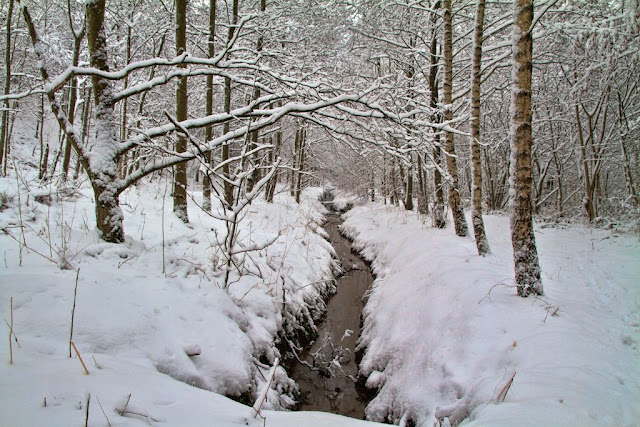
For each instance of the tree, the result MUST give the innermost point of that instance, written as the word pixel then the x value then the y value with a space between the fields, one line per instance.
pixel 78 36
pixel 525 253
pixel 478 224
pixel 459 221
pixel 438 208
pixel 4 134
pixel 180 169
pixel 224 160
pixel 208 136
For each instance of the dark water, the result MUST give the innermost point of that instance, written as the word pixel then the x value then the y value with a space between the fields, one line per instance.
pixel 331 386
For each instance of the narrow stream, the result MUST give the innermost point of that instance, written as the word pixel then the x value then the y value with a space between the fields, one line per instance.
pixel 330 386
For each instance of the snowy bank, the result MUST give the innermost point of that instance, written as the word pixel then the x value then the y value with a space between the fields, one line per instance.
pixel 152 306
pixel 444 331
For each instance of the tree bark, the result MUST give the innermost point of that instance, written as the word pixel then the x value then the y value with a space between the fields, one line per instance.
pixel 482 243
pixel 525 253
pixel 438 208
pixel 301 158
pixel 103 165
pixel 423 203
pixel 4 136
pixel 208 132
pixel 226 170
pixel 78 36
pixel 455 203
pixel 180 170
pixel 408 200
pixel 254 177
pixel 273 155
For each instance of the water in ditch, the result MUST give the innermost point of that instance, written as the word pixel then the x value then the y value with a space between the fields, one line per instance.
pixel 327 381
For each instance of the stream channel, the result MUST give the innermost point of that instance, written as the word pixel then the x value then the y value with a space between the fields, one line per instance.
pixel 331 386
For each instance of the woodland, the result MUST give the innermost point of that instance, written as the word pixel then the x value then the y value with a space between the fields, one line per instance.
pixel 236 112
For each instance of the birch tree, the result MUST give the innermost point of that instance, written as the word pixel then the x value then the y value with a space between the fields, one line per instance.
pixel 459 221
pixel 478 224
pixel 525 253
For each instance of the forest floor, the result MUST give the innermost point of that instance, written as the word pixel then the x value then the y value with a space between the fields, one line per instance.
pixel 444 332
pixel 161 338
pixel 446 337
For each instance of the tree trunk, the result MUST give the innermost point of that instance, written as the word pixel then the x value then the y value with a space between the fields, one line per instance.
pixel 208 132
pixel 77 45
pixel 124 123
pixel 455 203
pixel 254 177
pixel 438 208
pixel 109 216
pixel 226 169
pixel 4 135
pixel 180 170
pixel 525 253
pixel 423 203
pixel 274 154
pixel 482 243
pixel 408 200
pixel 299 173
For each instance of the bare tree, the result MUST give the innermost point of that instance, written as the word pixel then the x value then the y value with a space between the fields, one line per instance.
pixel 478 224
pixel 208 136
pixel 455 203
pixel 4 134
pixel 180 169
pixel 525 253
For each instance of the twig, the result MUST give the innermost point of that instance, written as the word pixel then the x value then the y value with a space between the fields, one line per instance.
pixel 15 337
pixel 80 358
pixel 500 283
pixel 103 413
pixel 164 196
pixel 28 247
pixel 86 419
pixel 125 406
pixel 73 311
pixel 551 309
pixel 10 333
pixel 96 363
pixel 505 390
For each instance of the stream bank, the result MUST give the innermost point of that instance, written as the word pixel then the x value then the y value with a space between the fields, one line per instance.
pixel 328 372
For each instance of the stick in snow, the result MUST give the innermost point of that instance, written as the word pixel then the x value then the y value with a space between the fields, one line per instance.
pixel 265 389
pixel 73 311
pixel 504 389
pixel 80 358
pixel 11 332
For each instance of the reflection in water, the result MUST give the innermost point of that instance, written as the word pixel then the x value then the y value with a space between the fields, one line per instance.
pixel 331 384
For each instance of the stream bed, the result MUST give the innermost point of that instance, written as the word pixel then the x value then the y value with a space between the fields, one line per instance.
pixel 328 381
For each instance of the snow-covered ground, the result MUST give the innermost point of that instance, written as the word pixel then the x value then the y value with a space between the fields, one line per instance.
pixel 444 331
pixel 151 318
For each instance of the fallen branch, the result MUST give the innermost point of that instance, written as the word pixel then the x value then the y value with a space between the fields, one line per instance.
pixel 263 394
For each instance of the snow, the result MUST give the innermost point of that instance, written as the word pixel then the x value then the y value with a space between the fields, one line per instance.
pixel 152 322
pixel 445 335
pixel 444 331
